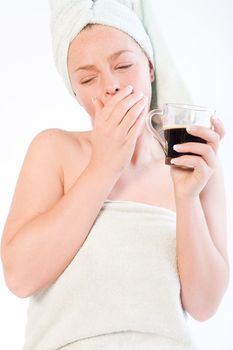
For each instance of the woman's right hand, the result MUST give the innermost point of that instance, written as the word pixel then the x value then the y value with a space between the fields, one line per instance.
pixel 117 125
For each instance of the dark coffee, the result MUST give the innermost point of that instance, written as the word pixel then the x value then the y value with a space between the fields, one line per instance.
pixel 176 134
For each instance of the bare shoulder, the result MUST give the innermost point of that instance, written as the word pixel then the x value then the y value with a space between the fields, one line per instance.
pixel 52 159
pixel 53 136
pixel 57 142
pixel 75 155
pixel 68 152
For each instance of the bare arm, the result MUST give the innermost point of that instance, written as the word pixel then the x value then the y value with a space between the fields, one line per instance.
pixel 213 202
pixel 201 255
pixel 201 225
pixel 45 229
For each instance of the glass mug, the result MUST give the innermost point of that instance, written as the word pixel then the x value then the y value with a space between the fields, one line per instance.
pixel 168 125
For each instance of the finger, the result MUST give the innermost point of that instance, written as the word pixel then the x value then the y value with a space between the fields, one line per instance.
pixel 123 107
pixel 137 125
pixel 218 126
pixel 133 114
pixel 120 95
pixel 207 134
pixel 131 106
pixel 202 149
pixel 191 162
pixel 98 105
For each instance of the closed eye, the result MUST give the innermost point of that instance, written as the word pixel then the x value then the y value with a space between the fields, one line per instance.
pixel 87 81
pixel 122 67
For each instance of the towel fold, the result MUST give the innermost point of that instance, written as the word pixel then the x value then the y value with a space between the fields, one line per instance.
pixel 123 278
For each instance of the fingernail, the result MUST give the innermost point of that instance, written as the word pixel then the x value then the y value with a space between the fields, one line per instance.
pixel 191 128
pixel 176 147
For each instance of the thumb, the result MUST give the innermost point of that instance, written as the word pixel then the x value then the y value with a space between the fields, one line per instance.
pixel 97 104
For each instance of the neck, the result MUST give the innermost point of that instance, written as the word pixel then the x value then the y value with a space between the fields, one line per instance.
pixel 147 151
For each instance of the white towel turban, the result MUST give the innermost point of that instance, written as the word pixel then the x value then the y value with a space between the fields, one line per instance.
pixel 134 17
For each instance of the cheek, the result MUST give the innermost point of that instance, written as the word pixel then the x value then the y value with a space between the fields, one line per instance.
pixel 143 82
pixel 85 100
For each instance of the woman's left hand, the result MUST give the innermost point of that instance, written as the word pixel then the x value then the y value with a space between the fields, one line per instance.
pixel 189 182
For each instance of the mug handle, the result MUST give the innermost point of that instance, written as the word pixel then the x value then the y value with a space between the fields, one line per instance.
pixel 154 123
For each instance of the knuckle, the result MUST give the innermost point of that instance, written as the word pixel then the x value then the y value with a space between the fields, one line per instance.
pixel 199 161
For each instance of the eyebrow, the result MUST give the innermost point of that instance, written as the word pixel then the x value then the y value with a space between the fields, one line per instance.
pixel 112 57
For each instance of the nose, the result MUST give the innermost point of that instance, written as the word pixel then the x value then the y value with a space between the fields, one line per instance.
pixel 110 85
pixel 111 91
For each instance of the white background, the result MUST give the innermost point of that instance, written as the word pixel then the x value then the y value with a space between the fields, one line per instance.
pixel 33 98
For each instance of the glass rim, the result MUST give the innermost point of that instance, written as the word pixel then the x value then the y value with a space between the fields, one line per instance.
pixel 190 107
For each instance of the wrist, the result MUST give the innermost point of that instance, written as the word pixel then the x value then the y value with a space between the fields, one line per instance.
pixel 103 171
pixel 184 201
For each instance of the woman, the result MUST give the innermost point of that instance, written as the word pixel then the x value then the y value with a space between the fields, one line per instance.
pixel 98 221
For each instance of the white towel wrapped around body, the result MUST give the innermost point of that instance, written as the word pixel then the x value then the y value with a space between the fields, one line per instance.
pixel 122 285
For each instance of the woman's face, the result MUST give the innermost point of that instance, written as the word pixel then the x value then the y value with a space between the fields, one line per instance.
pixel 102 59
